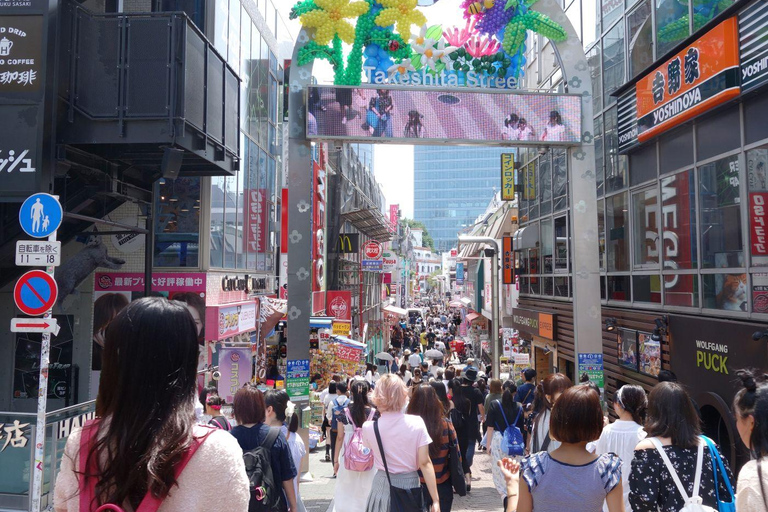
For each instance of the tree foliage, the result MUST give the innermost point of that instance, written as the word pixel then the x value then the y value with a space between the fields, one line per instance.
pixel 426 238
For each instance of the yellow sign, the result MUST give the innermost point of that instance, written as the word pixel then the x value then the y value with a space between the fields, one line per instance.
pixel 341 328
pixel 508 177
pixel 529 193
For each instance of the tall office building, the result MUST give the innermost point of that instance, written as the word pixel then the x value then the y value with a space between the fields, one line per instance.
pixel 452 186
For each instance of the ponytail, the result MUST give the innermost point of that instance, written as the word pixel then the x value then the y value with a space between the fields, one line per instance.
pixel 752 400
pixel 633 400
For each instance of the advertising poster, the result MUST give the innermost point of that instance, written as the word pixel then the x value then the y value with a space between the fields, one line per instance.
pixel 649 351
pixel 627 345
pixel 297 379
pixel 235 366
pixel 26 368
pixel 760 292
pixel 339 305
pixel 592 365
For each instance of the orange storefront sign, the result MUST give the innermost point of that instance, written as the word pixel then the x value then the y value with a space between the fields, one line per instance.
pixel 699 77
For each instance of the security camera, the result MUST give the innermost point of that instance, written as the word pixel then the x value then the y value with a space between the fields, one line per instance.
pixel 216 375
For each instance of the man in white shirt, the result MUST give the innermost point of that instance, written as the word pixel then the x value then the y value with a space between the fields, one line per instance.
pixel 414 360
pixel 340 400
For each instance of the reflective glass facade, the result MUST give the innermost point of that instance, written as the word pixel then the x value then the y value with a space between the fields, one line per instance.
pixel 452 186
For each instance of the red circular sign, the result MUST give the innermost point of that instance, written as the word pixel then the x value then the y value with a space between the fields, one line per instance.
pixel 35 293
pixel 373 250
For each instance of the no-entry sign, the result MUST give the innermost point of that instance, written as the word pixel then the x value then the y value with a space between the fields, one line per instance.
pixel 35 293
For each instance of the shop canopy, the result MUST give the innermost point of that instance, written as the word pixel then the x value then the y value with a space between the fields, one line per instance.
pixel 456 304
pixel 472 317
pixel 525 238
pixel 395 310
pixel 321 322
pixel 466 301
pixel 348 341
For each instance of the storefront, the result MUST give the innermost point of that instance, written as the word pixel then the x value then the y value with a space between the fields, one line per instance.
pixel 705 355
pixel 537 334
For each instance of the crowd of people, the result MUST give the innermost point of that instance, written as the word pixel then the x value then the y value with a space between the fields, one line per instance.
pixel 395 445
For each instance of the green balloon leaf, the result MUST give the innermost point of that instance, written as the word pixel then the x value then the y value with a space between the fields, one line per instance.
pixel 435 32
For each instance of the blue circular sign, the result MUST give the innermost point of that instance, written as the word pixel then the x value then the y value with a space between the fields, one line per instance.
pixel 40 215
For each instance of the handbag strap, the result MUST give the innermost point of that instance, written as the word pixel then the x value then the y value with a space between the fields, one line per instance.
pixel 381 451
pixel 673 473
pixel 502 413
pixel 717 462
pixel 150 503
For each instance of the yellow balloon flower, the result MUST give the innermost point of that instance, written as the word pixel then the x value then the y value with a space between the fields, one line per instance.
pixel 403 13
pixel 329 20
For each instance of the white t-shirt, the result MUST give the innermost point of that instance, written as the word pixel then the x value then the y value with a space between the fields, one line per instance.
pixel 510 133
pixel 329 408
pixel 556 132
pixel 621 437
pixel 414 360
pixel 401 436
pixel 525 133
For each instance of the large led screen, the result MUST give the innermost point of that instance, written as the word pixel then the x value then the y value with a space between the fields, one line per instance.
pixel 413 115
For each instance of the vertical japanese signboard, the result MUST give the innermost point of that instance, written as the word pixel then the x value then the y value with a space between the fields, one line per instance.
pixel 394 217
pixel 235 366
pixel 508 177
pixel 508 274
pixel 297 379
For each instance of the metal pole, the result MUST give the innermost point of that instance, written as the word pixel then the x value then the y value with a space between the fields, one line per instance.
pixel 495 342
pixel 149 245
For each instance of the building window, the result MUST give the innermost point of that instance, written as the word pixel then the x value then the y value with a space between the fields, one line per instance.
pixel 594 61
pixel 599 157
pixel 611 11
pixel 616 228
pixel 725 291
pixel 601 232
pixel 615 164
pixel 672 24
pixel 719 208
pixel 646 288
pixel 757 178
pixel 681 290
pixel 177 223
pixel 559 180
pixel 546 246
pixel 645 210
pixel 562 257
pixel 619 288
pixel 218 200
pixel 545 184
pixel 678 220
pixel 613 62
pixel 640 38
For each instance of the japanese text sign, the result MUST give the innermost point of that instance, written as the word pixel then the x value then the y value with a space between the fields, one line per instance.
pixel 236 370
pixel 21 50
pixel 508 177
pixel 163 281
pixel 508 273
pixel 227 321
pixel 757 223
pixel 697 78
pixel 348 353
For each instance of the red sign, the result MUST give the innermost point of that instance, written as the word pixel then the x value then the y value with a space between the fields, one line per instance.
pixel 679 230
pixel 508 263
pixel 757 216
pixel 339 305
pixel 284 221
pixel 318 228
pixel 394 217
pixel 35 293
pixel 373 250
pixel 454 253
pixel 318 303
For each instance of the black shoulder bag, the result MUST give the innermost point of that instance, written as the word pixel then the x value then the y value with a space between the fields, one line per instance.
pixel 400 500
pixel 458 482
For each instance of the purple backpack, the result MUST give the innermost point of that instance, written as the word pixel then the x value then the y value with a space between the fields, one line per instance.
pixel 357 456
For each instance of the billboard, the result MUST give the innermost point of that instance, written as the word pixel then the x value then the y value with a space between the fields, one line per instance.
pixel 414 115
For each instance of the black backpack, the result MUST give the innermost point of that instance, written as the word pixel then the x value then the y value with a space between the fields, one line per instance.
pixel 266 495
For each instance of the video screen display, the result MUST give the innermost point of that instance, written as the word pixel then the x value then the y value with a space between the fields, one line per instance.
pixel 410 115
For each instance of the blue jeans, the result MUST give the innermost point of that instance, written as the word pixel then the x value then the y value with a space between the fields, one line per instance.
pixel 470 455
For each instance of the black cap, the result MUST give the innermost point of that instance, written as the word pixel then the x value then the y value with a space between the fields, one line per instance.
pixel 470 375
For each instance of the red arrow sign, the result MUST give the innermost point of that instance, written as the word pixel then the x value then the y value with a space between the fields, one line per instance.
pixel 35 325
pixel 43 325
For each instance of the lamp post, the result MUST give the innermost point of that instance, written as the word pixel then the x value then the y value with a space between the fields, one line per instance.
pixel 495 339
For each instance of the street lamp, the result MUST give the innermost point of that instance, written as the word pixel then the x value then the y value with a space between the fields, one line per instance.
pixel 495 337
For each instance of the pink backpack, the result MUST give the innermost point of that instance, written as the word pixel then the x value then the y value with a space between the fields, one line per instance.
pixel 357 456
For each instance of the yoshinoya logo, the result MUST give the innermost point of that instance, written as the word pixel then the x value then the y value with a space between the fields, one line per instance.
pixel 105 282
pixel 628 136
pixel 677 106
pixel 753 69
pixel 234 357
pixel 339 307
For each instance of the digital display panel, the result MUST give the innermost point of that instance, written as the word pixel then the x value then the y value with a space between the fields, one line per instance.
pixel 409 115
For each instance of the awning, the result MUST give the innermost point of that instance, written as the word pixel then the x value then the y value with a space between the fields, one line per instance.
pixel 395 310
pixel 371 222
pixel 466 301
pixel 348 341
pixel 525 238
pixel 456 304
pixel 472 317
pixel 321 322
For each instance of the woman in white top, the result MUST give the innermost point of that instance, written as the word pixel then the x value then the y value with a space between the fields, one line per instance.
pixel 555 129
pixel 621 436
pixel 510 132
pixel 751 408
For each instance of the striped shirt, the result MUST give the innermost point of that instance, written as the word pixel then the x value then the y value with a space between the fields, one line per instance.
pixel 440 463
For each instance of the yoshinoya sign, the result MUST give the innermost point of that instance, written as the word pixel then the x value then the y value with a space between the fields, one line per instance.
pixel 534 322
pixel 753 45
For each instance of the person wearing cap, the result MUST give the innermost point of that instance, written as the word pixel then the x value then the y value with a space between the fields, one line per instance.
pixel 476 411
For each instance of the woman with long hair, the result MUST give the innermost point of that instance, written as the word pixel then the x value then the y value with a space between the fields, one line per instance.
pixel 460 419
pixel 555 129
pixel 144 444
pixel 547 394
pixel 105 309
pixel 500 415
pixel 442 395
pixel 426 404
pixel 621 436
pixel 352 487
pixel 570 477
pixel 252 430
pixel 674 429
pixel 405 447
pixel 751 408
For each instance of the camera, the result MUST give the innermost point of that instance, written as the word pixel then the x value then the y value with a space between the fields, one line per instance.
pixel 216 375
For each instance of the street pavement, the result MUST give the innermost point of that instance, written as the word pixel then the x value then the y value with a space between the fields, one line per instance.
pixel 318 494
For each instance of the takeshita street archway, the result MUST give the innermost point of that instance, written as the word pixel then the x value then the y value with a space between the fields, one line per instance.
pixel 508 20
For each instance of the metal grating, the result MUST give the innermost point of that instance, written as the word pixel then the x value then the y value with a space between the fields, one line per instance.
pixel 194 85
pixel 231 105
pixel 96 89
pixel 215 118
pixel 147 68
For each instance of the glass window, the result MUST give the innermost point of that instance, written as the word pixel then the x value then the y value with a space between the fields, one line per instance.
pixel 561 286
pixel 678 220
pixel 574 15
pixel 642 165
pixel 177 222
pixel 590 23
pixel 254 109
pixel 646 289
pixel 613 62
pixel 681 290
pixel 230 221
pixel 245 68
pixel 601 232
pixel 545 184
pixel 272 104
pixel 757 161
pixel 593 59
pixel 611 10
pixel 721 236
pixel 615 164
pixel 217 220
pixel 718 134
pixel 546 246
pixel 233 56
pixel 547 286
pixel 263 208
pixel 672 24
pixel 725 291
pixel 755 127
pixel 619 288
pixel 645 211
pixel 599 157
pixel 640 38
pixel 676 149
pixel 252 207
pixel 562 258
pixel 559 179
pixel 616 226
pixel 220 27
pixel 240 235
pixel 264 78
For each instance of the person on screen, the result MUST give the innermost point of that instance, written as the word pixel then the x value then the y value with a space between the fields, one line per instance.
pixel 524 132
pixel 555 129
pixel 383 109
pixel 344 98
pixel 414 129
pixel 510 130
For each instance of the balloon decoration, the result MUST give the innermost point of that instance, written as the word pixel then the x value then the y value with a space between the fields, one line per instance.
pixel 491 45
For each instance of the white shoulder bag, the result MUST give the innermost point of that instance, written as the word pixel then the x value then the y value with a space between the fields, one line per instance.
pixel 692 503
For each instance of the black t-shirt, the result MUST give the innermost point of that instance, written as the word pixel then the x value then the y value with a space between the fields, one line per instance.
pixel 431 336
pixel 249 438
pixel 475 397
pixel 494 418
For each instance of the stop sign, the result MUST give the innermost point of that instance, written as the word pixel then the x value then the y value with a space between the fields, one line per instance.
pixel 373 250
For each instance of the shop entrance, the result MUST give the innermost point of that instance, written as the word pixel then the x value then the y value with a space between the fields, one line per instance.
pixel 304 127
